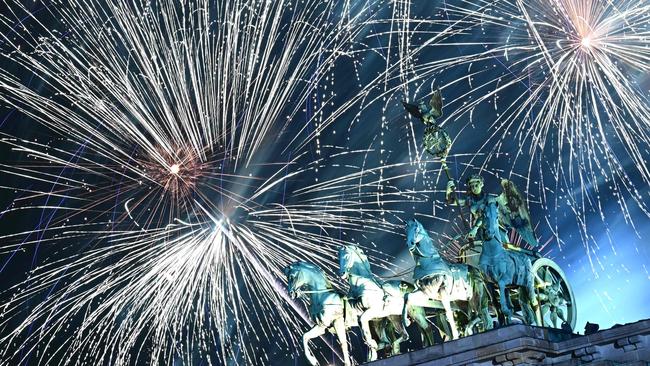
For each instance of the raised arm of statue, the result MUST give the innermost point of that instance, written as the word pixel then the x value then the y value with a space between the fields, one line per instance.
pixel 452 196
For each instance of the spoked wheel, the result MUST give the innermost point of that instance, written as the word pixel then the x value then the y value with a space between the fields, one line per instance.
pixel 554 294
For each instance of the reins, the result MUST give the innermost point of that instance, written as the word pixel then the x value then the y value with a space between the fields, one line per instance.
pixel 318 291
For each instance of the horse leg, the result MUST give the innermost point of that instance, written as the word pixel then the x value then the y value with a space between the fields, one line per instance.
pixel 394 309
pixel 493 300
pixel 510 304
pixel 559 313
pixel 440 322
pixel 527 303
pixel 426 329
pixel 372 354
pixel 481 301
pixel 473 307
pixel 364 319
pixel 553 318
pixel 314 332
pixel 473 297
pixel 396 321
pixel 450 317
pixel 469 329
pixel 415 298
pixel 379 327
pixel 486 318
pixel 503 301
pixel 339 326
pixel 405 318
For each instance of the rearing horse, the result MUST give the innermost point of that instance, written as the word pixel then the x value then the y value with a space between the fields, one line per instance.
pixel 328 308
pixel 375 299
pixel 437 279
pixel 506 267
pixel 326 305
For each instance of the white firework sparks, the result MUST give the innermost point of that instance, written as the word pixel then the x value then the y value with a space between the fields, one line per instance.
pixel 557 88
pixel 171 118
pixel 162 191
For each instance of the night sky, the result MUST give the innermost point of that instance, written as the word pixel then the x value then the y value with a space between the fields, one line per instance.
pixel 602 248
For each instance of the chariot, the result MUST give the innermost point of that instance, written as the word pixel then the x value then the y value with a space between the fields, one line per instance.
pixel 552 289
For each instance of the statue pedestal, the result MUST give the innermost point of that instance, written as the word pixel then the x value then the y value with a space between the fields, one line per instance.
pixel 525 345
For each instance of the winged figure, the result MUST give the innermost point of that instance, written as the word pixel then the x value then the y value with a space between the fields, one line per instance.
pixel 514 214
pixel 436 140
pixel 426 113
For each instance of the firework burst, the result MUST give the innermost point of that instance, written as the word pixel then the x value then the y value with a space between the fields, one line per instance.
pixel 189 162
pixel 557 89
pixel 161 189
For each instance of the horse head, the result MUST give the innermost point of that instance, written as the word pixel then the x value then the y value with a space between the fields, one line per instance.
pixel 418 240
pixel 491 215
pixel 351 258
pixel 294 279
pixel 414 234
pixel 303 275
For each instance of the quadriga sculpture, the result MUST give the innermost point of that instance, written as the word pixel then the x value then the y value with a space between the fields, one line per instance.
pixel 375 299
pixel 447 282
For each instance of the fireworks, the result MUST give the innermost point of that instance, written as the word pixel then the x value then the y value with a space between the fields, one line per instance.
pixel 556 87
pixel 170 168
pixel 185 160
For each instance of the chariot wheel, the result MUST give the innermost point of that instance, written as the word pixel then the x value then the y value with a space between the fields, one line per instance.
pixel 554 294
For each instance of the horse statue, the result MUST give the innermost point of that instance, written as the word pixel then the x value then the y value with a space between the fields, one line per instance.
pixel 437 279
pixel 328 309
pixel 374 299
pixel 506 267
pixel 326 306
